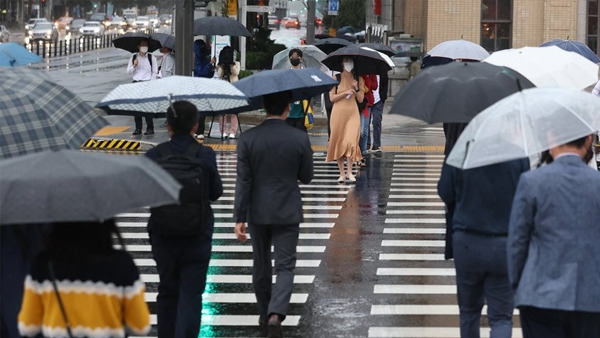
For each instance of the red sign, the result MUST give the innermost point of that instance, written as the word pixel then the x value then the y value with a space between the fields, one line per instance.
pixel 377 7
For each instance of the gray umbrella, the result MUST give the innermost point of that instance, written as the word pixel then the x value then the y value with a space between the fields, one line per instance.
pixel 37 114
pixel 166 40
pixel 218 25
pixel 70 185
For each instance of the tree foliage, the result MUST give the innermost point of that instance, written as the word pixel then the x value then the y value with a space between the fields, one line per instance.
pixel 350 13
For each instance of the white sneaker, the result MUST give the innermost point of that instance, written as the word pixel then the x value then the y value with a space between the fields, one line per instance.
pixel 232 135
pixel 200 136
pixel 224 136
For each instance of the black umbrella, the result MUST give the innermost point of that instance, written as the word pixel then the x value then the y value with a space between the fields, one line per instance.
pixel 130 42
pixel 366 60
pixel 385 49
pixel 304 84
pixel 457 91
pixel 322 36
pixel 218 25
pixel 166 40
pixel 330 45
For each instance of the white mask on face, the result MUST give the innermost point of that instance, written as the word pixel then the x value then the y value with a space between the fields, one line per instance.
pixel 348 66
pixel 144 49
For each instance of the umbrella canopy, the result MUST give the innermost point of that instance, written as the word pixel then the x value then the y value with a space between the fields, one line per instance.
pixel 456 92
pixel 330 45
pixel 524 124
pixel 311 57
pixel 459 49
pixel 130 41
pixel 366 60
pixel 218 25
pixel 304 84
pixel 385 49
pixel 12 54
pixel 151 98
pixel 548 66
pixel 37 114
pixel 165 40
pixel 71 185
pixel 573 46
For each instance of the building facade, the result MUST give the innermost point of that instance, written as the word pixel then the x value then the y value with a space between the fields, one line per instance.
pixel 494 24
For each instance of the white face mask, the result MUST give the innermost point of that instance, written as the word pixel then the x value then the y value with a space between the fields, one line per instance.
pixel 348 66
pixel 144 49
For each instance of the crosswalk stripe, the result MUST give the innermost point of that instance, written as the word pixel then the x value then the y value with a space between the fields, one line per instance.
pixel 414 289
pixel 397 178
pixel 412 190
pixel 225 225
pixel 415 272
pixel 422 184
pixel 407 196
pixel 236 320
pixel 422 173
pixel 411 257
pixel 413 309
pixel 416 243
pixel 415 204
pixel 414 212
pixel 415 221
pixel 427 332
pixel 413 231
pixel 296 298
pixel 227 248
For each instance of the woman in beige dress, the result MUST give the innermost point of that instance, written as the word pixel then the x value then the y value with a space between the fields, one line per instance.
pixel 345 121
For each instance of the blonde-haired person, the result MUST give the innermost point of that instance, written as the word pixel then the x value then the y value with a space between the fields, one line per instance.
pixel 345 120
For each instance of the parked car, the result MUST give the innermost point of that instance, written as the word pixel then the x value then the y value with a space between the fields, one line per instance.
pixel 75 25
pixel 142 24
pixel 165 19
pixel 4 34
pixel 44 31
pixel 273 22
pixel 63 22
pixel 92 28
pixel 154 22
pixel 292 22
pixel 29 25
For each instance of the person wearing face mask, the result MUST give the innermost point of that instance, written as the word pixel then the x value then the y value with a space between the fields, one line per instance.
pixel 143 66
pixel 167 64
pixel 345 120
pixel 296 116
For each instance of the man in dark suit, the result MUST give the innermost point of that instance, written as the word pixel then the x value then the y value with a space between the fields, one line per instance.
pixel 182 261
pixel 553 248
pixel 272 157
pixel 483 199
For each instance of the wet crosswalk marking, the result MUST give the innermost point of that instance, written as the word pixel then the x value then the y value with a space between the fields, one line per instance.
pixel 230 276
pixel 415 283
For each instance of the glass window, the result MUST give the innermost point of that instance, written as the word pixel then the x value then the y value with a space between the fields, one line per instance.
pixel 488 10
pixel 592 25
pixel 504 10
pixel 593 7
pixel 592 42
pixel 496 24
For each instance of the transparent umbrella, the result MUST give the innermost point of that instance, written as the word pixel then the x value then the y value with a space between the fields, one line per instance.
pixel 526 123
pixel 311 58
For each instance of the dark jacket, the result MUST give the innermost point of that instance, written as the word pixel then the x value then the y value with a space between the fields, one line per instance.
pixel 202 65
pixel 383 87
pixel 272 157
pixel 179 144
pixel 483 196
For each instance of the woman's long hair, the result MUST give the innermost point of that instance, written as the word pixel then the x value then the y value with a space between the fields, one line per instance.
pixel 73 241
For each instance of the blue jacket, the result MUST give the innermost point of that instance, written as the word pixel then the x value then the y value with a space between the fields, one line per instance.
pixel 553 241
pixel 202 65
pixel 483 196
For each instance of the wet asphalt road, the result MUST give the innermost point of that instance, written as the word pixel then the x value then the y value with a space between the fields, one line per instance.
pixel 370 255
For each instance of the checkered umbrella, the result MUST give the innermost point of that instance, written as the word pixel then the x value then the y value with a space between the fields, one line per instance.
pixel 37 114
pixel 151 98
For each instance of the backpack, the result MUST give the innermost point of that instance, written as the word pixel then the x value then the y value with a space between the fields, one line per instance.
pixel 189 217
pixel 149 58
pixel 361 105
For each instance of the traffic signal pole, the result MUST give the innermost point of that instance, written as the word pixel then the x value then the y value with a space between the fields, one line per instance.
pixel 310 21
pixel 184 37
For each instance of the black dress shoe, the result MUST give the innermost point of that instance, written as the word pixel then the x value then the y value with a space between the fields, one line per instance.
pixel 274 328
pixel 137 132
pixel 149 131
pixel 262 326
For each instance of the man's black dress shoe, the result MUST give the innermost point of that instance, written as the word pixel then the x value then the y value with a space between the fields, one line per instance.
pixel 274 327
pixel 149 131
pixel 137 132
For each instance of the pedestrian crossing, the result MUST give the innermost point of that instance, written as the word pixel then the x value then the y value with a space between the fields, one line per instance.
pixel 229 308
pixel 415 288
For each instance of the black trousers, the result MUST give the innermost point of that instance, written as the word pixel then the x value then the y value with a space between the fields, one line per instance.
pixel 547 323
pixel 138 122
pixel 201 125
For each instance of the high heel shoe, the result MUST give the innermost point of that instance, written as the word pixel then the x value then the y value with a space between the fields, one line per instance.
pixel 341 179
pixel 351 178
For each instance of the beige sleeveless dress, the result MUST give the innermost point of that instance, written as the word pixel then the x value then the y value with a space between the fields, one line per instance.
pixel 345 123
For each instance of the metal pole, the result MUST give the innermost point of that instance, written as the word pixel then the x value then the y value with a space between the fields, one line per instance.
pixel 184 37
pixel 310 22
pixel 243 38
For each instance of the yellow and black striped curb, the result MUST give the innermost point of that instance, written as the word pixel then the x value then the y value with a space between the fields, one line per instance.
pixel 116 144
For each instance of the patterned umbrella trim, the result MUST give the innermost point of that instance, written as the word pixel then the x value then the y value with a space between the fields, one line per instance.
pixel 174 98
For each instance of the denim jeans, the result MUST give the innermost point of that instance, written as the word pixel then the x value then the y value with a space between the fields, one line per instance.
pixel 364 133
pixel 482 276
pixel 376 114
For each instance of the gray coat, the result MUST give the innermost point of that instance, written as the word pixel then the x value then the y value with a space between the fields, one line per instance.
pixel 554 237
pixel 272 158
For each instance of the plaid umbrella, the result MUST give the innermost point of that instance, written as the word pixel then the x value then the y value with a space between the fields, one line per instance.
pixel 37 114
pixel 152 98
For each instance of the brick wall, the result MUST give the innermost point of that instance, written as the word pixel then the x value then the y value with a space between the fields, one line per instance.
pixel 452 20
